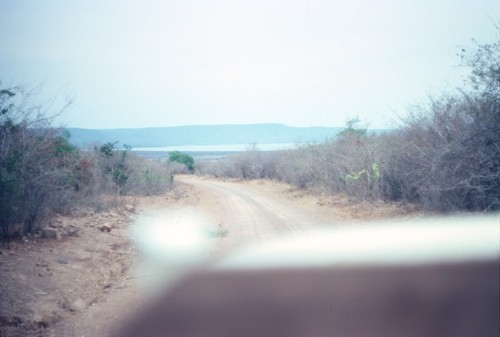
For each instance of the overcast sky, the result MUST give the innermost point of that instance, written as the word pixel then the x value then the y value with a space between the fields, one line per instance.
pixel 301 63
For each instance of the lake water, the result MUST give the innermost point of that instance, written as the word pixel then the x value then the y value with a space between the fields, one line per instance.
pixel 218 148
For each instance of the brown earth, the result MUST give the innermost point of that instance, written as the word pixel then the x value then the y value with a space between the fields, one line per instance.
pixel 80 279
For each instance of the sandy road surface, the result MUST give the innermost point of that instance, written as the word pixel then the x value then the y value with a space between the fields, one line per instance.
pixel 87 283
pixel 251 213
pixel 287 286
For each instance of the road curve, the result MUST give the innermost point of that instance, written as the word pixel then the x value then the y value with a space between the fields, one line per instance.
pixel 249 214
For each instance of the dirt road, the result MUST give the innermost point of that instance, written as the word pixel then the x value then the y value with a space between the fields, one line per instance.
pixel 235 214
pixel 346 280
pixel 251 213
pixel 88 281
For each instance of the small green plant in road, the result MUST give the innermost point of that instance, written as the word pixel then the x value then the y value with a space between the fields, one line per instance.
pixel 220 232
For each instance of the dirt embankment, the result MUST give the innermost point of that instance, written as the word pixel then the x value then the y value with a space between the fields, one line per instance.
pixel 82 281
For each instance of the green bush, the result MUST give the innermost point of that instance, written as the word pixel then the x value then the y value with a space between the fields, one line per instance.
pixel 124 173
pixel 182 158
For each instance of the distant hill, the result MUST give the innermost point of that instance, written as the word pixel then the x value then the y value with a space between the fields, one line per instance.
pixel 203 135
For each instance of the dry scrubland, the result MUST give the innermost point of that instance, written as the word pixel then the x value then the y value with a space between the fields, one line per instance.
pixel 444 156
pixel 83 279
pixel 42 174
pixel 61 207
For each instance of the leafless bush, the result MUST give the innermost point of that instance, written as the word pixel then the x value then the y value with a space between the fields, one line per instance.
pixel 35 164
pixel 149 177
pixel 209 167
pixel 121 172
pixel 445 155
pixel 449 155
pixel 448 152
pixel 41 173
pixel 295 167
pixel 178 168
pixel 351 164
pixel 245 165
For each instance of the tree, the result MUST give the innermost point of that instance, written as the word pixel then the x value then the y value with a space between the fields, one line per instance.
pixel 182 158
pixel 353 129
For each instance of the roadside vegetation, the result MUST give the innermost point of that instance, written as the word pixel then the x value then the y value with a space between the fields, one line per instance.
pixel 42 173
pixel 445 155
pixel 184 162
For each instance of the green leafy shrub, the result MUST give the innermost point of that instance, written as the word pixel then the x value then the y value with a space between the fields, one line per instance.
pixel 182 158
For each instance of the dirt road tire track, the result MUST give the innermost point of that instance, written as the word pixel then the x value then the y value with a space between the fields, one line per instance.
pixel 251 215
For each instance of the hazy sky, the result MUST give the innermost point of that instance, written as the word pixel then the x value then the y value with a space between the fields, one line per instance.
pixel 301 63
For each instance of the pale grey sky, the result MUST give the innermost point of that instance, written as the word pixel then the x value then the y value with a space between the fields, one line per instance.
pixel 297 62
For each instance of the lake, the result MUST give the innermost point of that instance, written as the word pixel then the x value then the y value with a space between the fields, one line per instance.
pixel 201 152
pixel 218 148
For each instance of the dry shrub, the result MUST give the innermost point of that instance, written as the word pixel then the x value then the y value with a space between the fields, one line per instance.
pixel 448 152
pixel 41 173
pixel 448 155
pixel 149 176
pixel 445 155
pixel 36 163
